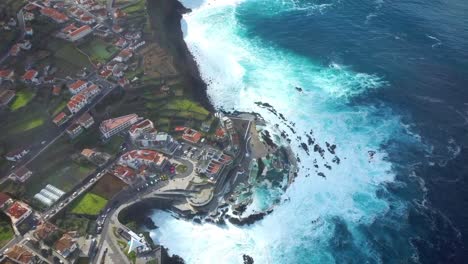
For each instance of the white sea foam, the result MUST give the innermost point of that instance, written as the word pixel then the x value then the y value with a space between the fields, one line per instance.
pixel 242 70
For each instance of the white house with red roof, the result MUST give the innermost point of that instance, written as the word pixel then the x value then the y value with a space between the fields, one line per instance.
pixel 77 86
pixel 124 173
pixel 137 158
pixel 7 75
pixel 86 19
pixel 105 73
pixel 60 118
pixel 18 211
pixel 121 43
pixel 15 50
pixel 78 101
pixel 21 174
pixel 124 55
pixel 116 125
pixel 30 76
pixel 192 135
pixel 79 33
pixel 54 14
pixel 141 127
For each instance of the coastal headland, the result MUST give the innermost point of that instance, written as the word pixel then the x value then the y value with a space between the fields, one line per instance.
pixel 258 158
pixel 165 17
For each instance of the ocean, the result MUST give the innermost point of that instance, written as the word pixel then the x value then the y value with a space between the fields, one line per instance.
pixel 384 81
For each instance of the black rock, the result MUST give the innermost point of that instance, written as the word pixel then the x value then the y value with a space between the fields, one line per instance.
pixel 247 259
pixel 321 174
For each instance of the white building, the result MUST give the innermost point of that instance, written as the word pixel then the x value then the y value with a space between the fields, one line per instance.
pixel 113 126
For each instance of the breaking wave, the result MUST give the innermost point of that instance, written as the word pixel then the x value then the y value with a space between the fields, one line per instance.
pixel 326 219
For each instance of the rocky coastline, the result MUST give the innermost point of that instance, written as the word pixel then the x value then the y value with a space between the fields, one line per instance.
pixel 165 17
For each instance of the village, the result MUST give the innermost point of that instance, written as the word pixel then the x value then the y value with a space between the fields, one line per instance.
pixel 115 124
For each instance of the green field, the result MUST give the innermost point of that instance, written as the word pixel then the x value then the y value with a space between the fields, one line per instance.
pixel 33 123
pixel 89 204
pixel 56 166
pixel 62 173
pixel 185 105
pixel 98 50
pixel 59 108
pixel 113 145
pixel 137 7
pixel 22 98
pixel 66 55
pixel 6 231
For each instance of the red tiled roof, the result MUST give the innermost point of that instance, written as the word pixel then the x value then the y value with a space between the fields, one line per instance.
pixel 69 28
pixel 124 172
pixel 56 90
pixel 142 124
pixel 220 133
pixel 192 135
pixel 30 7
pixel 86 18
pixel 59 118
pixel 179 128
pixel 105 73
pixel 79 30
pixel 17 210
pixel 77 84
pixel 64 243
pixel 87 152
pixel 44 230
pixel 19 253
pixel 125 53
pixel 29 75
pixel 53 13
pixel 5 73
pixel 116 122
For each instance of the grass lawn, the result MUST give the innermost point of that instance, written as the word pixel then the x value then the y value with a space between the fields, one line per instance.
pixel 22 98
pixel 89 204
pixel 59 108
pixel 55 166
pixel 66 53
pixel 6 231
pixel 186 105
pixel 113 145
pixel 28 124
pixel 138 6
pixel 63 176
pixel 99 50
pixel 181 168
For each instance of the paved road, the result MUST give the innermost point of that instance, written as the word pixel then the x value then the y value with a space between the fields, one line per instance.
pixel 62 130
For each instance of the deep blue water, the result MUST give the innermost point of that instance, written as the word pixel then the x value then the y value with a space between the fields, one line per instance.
pixel 421 49
pixel 387 76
